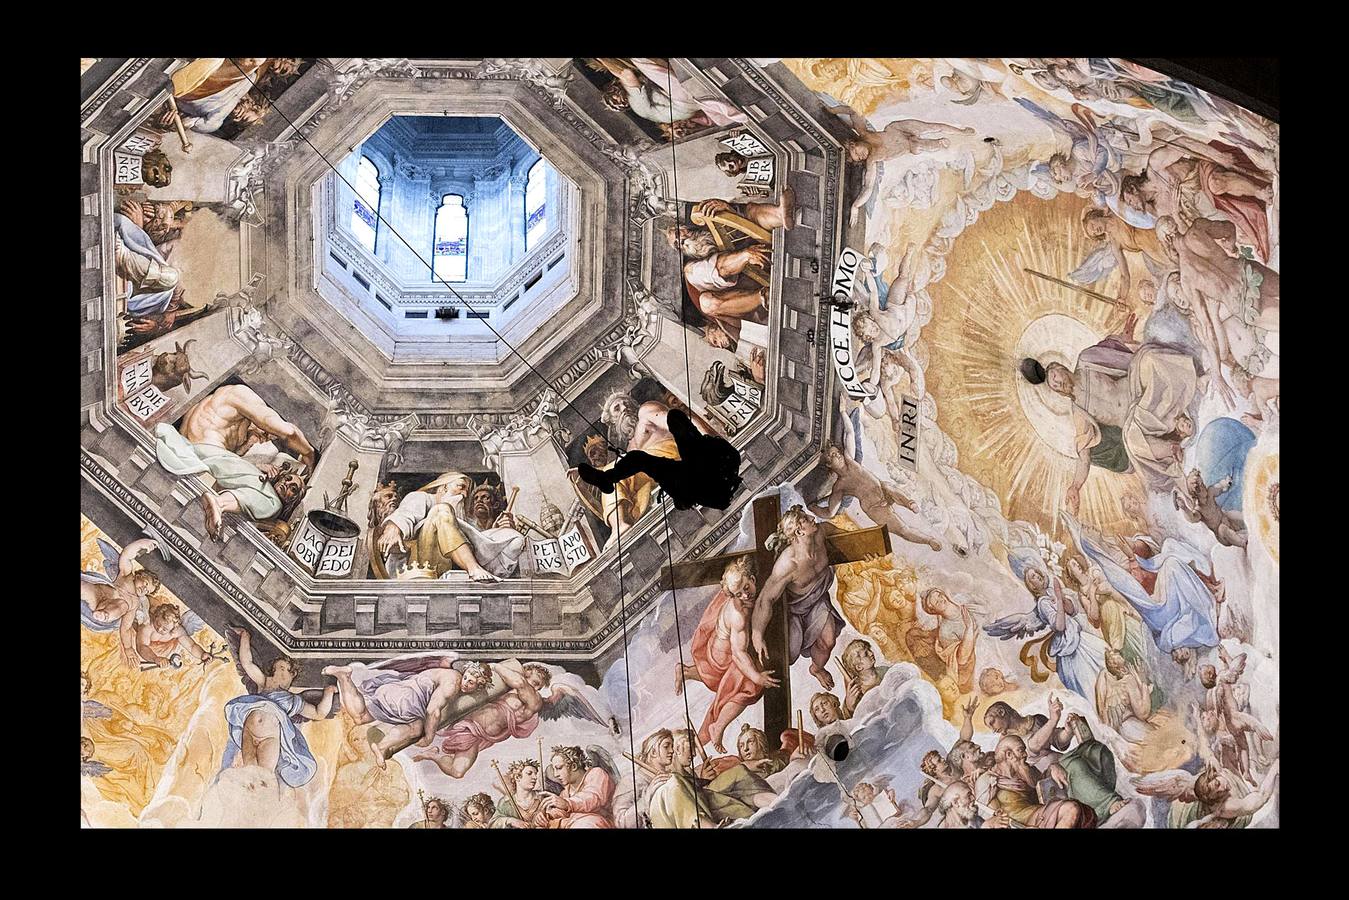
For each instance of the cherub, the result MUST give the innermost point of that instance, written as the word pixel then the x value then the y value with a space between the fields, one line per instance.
pixel 166 637
pixel 119 597
pixel 1199 503
pixel 993 681
pixel 876 496
pixel 1229 700
pixel 263 723
pixel 873 805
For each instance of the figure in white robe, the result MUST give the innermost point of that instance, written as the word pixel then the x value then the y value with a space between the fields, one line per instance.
pixel 233 474
pixel 662 99
pixel 496 549
pixel 207 89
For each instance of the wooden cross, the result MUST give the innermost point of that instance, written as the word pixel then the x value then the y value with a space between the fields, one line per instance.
pixel 843 547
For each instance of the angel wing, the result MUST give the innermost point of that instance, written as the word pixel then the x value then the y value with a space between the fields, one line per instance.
pixel 1172 784
pixel 112 559
pixel 1018 625
pixel 92 709
pixel 414 664
pixel 94 768
pixel 1156 268
pixel 1098 264
pixel 602 759
pixel 565 701
pixel 192 623
pixel 1058 123
pixel 881 782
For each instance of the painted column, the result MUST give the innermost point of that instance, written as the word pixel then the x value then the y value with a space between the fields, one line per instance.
pixel 515 217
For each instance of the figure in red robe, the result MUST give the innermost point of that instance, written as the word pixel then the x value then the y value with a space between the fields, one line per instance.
pixel 721 657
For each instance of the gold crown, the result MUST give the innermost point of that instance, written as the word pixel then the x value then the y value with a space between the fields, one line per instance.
pixel 418 572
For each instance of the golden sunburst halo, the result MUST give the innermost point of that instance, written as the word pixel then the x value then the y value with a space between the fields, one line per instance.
pixel 988 313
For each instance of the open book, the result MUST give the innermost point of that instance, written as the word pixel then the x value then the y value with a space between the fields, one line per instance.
pixel 139 395
pixel 561 554
pixel 878 810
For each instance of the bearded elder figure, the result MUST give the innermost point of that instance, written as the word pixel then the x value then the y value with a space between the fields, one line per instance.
pixel 449 524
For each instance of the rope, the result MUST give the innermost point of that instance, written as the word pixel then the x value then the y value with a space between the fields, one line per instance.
pixel 688 381
pixel 627 668
pixel 431 268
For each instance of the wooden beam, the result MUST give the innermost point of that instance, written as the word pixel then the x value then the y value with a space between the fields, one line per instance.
pixel 777 702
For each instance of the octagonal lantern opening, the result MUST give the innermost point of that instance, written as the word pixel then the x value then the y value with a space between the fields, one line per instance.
pixel 440 225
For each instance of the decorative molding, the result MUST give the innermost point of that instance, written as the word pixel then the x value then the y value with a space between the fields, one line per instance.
pixel 92 107
pixel 552 85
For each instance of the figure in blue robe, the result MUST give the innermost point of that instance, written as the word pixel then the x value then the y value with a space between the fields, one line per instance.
pixel 295 763
pixel 1220 451
pixel 1179 609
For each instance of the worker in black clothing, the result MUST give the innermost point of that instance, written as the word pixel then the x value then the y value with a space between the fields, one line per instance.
pixel 707 472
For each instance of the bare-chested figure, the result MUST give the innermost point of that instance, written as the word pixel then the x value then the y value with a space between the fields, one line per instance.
pixel 901 137
pixel 411 703
pixel 801 578
pixel 262 723
pixel 163 636
pixel 1224 697
pixel 643 430
pixel 1199 504
pixel 121 598
pixel 875 495
pixel 216 434
pixel 720 651
pixel 1232 303
pixel 513 714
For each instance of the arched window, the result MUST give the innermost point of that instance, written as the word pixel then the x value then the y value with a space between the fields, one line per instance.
pixel 365 212
pixel 536 204
pixel 451 251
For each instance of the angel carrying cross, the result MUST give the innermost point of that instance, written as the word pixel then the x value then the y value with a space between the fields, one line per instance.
pixel 454 708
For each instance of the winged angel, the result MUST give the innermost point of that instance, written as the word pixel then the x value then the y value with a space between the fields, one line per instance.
pixel 1077 655
pixel 455 708
pixel 1215 798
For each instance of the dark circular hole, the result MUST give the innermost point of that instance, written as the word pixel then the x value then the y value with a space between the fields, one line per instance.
pixel 837 748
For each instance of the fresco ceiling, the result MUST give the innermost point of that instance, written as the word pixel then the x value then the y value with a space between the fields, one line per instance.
pixel 997 341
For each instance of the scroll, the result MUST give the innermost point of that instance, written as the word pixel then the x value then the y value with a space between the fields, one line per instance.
pixel 739 407
pixel 840 323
